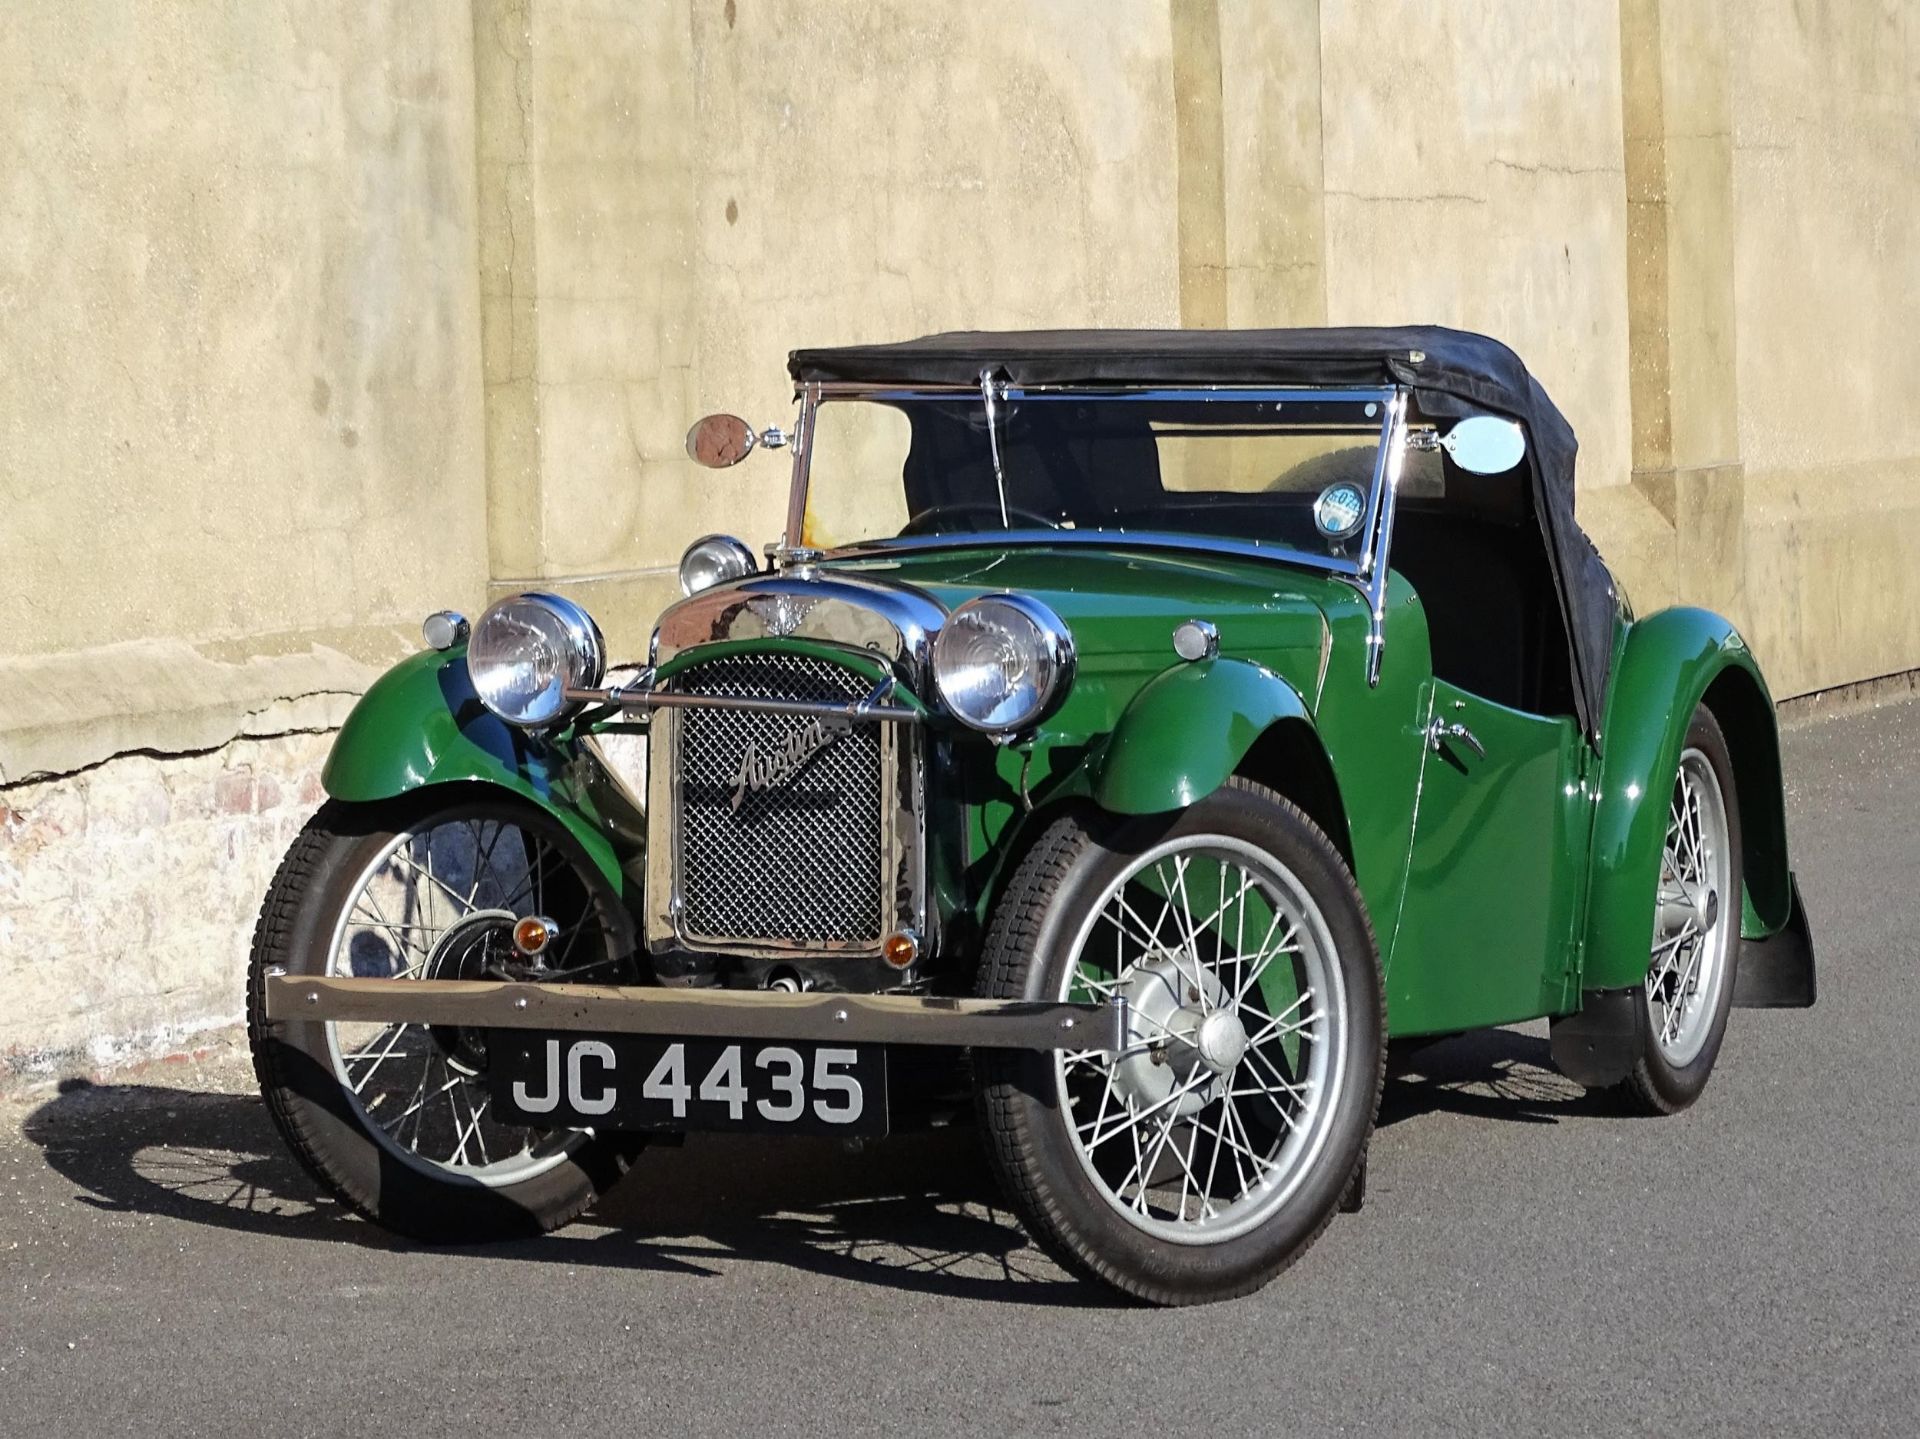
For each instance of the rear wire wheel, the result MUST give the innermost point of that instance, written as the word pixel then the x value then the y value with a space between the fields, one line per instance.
pixel 396 1119
pixel 1696 930
pixel 1202 1158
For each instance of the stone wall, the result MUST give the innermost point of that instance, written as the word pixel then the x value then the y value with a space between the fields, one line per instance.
pixel 319 317
pixel 1823 111
pixel 241 452
pixel 126 899
pixel 1683 213
pixel 240 427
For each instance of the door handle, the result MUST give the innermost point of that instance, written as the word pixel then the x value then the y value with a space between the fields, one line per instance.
pixel 1440 731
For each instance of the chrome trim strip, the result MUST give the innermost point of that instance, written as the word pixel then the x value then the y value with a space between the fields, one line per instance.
pixel 866 711
pixel 661 900
pixel 1326 654
pixel 861 389
pixel 717 1013
pixel 1107 538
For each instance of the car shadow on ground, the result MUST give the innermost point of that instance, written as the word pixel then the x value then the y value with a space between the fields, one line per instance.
pixel 1503 1074
pixel 918 1212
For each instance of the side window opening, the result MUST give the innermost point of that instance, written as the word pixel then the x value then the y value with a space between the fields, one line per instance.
pixel 1472 548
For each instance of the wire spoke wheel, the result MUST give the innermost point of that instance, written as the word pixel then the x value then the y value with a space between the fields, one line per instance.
pixel 1697 914
pixel 1680 1019
pixel 397 1120
pixel 1202 1126
pixel 440 902
pixel 1207 1152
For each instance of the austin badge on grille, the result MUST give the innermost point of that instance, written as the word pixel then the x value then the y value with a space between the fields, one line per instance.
pixel 766 770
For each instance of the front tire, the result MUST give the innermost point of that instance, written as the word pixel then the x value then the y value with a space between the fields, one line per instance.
pixel 394 1119
pixel 1201 1160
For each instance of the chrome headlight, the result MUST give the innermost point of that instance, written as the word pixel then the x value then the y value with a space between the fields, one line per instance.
pixel 527 650
pixel 713 560
pixel 1002 662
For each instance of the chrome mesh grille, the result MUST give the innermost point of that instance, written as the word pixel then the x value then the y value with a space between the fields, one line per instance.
pixel 801 859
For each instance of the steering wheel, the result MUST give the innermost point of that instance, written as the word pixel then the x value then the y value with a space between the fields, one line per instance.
pixel 927 521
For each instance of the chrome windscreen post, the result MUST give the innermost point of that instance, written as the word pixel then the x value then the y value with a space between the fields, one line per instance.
pixel 801 442
pixel 1386 486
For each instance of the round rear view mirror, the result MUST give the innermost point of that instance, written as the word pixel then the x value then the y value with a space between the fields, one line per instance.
pixel 720 440
pixel 1485 444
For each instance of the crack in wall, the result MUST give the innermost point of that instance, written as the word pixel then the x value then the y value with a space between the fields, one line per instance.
pixel 1546 169
pixel 157 752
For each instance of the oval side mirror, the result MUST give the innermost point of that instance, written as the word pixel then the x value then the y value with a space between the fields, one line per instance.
pixel 720 440
pixel 1485 444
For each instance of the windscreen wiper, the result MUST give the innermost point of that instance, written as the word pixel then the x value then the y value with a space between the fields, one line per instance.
pixel 991 392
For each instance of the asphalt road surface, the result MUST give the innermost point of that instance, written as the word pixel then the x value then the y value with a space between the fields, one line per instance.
pixel 1527 1262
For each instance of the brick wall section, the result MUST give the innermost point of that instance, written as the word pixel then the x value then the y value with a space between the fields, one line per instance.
pixel 127 896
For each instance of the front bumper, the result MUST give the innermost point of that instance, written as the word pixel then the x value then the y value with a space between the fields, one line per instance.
pixel 708 1013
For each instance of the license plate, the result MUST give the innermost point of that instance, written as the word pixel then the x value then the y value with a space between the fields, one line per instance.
pixel 625 1081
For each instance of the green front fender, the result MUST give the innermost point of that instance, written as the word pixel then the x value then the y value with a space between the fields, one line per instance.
pixel 1670 663
pixel 422 724
pixel 1187 730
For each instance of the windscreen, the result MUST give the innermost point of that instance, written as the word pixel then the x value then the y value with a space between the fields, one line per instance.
pixel 1293 470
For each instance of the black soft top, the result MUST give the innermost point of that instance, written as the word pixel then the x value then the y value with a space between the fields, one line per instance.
pixel 1451 372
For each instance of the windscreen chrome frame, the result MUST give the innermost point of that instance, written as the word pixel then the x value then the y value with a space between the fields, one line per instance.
pixel 1368 573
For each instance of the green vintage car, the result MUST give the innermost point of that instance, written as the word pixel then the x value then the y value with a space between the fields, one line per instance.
pixel 1131 736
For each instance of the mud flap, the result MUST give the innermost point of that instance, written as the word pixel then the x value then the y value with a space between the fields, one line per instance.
pixel 1778 972
pixel 1597 1047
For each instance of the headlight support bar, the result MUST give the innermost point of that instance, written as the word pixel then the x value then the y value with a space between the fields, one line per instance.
pixel 643 694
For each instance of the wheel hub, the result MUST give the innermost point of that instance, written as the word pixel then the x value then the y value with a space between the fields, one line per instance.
pixel 1707 902
pixel 470 948
pixel 1220 1041
pixel 1679 910
pixel 1175 1029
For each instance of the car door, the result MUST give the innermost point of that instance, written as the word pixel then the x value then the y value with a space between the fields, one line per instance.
pixel 1495 873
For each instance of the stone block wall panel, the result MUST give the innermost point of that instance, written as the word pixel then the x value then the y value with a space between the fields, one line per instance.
pixel 319 317
pixel 127 897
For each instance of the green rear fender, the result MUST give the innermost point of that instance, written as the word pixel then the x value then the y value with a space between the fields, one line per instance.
pixel 1671 662
pixel 422 724
pixel 1187 730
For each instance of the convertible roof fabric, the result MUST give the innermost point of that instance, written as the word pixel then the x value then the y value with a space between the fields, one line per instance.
pixel 1452 373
